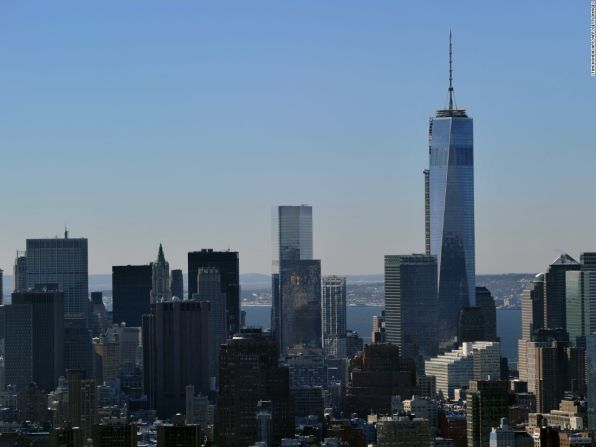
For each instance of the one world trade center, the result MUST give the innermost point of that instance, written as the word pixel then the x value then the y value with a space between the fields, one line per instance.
pixel 450 209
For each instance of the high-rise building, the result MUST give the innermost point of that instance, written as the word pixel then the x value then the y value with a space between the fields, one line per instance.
pixel 300 305
pixel 131 293
pixel 580 299
pixel 115 435
pixel 177 283
pixel 486 303
pixel 451 205
pixel 32 405
pixel 78 345
pixel 376 375
pixel 228 265
pixel 411 304
pixel 62 262
pixel 1 286
pixel 403 431
pixel 19 272
pixel 176 342
pixel 66 436
pixel 487 401
pixel 532 320
pixel 82 401
pixel 292 241
pixel 333 299
pixel 472 361
pixel 35 338
pixel 197 408
pixel 470 326
pixel 160 278
pixel 179 434
pixel 591 380
pixel 555 296
pixel 99 318
pixel 209 290
pixel 248 374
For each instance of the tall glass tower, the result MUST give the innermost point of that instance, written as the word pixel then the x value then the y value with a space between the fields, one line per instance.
pixel 451 208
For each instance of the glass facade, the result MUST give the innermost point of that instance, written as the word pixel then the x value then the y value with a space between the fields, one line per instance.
pixel 451 203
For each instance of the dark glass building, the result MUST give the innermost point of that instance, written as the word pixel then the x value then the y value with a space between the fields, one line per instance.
pixel 555 291
pixel 451 210
pixel 248 374
pixel 177 283
pixel 300 287
pixel 228 264
pixel 131 293
pixel 35 339
pixel 78 345
pixel 411 304
pixel 176 342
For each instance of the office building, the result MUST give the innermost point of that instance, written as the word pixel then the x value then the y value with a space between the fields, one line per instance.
pixel 160 278
pixel 78 345
pixel 32 405
pixel 532 303
pixel 333 300
pixel 248 374
pixel 62 262
pixel 451 209
pixel 118 434
pixel 555 291
pixel 34 340
pixel 178 434
pixel 176 342
pixel 581 299
pixel 300 292
pixel 99 318
pixel 470 326
pixel 177 283
pixel 403 431
pixel 19 272
pixel 66 436
pixel 82 401
pixel 472 361
pixel 378 332
pixel 376 375
pixel 591 380
pixel 292 241
pixel 131 293
pixel 486 303
pixel 1 286
pixel 209 290
pixel 197 408
pixel 228 265
pixel 487 401
pixel 411 304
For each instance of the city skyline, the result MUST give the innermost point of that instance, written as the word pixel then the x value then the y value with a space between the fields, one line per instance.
pixel 342 99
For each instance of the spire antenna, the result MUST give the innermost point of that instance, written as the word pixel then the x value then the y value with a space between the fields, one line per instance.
pixel 450 73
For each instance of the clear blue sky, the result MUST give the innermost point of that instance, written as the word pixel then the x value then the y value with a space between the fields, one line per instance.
pixel 184 122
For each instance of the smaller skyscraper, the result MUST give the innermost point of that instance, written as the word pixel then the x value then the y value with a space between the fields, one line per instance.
pixel 591 380
pixel 487 401
pixel 179 434
pixel 35 338
pixel 115 435
pixel 131 293
pixel 177 283
pixel 486 302
pixel 1 286
pixel 555 291
pixel 160 278
pixel 19 272
pixel 82 401
pixel 333 298
pixel 411 303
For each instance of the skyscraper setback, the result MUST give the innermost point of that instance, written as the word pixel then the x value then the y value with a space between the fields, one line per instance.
pixel 451 209
pixel 296 279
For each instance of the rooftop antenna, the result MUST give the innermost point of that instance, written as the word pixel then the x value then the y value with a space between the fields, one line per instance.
pixel 65 232
pixel 450 74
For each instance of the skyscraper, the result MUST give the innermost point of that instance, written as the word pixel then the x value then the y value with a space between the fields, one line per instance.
pixel 19 272
pixel 63 262
pixel 333 298
pixel 209 289
pixel 591 380
pixel 249 373
pixel 580 299
pixel 296 286
pixel 555 295
pixel 487 401
pixel 160 278
pixel 177 283
pixel 228 265
pixel 532 303
pixel 176 342
pixel 451 209
pixel 131 293
pixel 35 338
pixel 411 304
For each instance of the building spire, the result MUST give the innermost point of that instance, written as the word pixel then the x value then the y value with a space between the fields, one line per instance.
pixel 161 259
pixel 450 74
